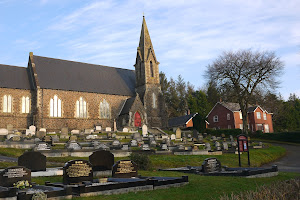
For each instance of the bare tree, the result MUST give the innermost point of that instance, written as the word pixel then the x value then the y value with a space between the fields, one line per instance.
pixel 244 72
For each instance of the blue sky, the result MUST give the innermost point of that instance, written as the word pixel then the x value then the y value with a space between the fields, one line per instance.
pixel 187 35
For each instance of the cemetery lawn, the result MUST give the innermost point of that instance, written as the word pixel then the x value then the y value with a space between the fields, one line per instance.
pixel 258 157
pixel 199 187
pixel 12 152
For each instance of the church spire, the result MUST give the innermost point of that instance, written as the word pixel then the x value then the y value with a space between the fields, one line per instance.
pixel 145 45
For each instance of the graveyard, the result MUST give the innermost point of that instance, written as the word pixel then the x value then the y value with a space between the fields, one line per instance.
pixel 88 163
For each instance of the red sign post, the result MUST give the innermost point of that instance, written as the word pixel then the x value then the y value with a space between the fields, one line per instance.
pixel 242 141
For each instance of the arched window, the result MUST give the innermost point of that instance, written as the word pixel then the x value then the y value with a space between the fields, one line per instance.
pixel 7 103
pixel 154 105
pixel 55 107
pixel 104 110
pixel 151 69
pixel 81 108
pixel 25 104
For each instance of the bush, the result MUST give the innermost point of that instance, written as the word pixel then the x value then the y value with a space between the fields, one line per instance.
pixel 281 190
pixel 142 160
pixel 283 136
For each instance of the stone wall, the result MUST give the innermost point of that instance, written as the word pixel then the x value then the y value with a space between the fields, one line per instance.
pixel 69 118
pixel 16 118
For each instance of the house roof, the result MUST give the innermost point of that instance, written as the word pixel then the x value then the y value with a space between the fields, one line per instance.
pixel 76 76
pixel 14 77
pixel 180 121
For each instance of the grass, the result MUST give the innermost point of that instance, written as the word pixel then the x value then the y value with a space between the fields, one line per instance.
pixel 4 164
pixel 199 187
pixel 12 152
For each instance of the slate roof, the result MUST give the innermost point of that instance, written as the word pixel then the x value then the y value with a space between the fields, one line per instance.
pixel 236 107
pixel 14 77
pixel 127 106
pixel 76 76
pixel 180 121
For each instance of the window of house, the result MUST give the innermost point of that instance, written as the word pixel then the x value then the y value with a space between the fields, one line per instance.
pixel 228 116
pixel 151 69
pixel 25 104
pixel 241 126
pixel 81 108
pixel 265 116
pixel 216 118
pixel 154 100
pixel 267 128
pixel 260 127
pixel 55 107
pixel 258 115
pixel 241 116
pixel 7 103
pixel 229 126
pixel 104 109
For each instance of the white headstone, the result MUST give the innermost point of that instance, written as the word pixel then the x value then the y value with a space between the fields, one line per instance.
pixel 29 132
pixel 144 130
pixel 165 137
pixel 43 130
pixel 133 143
pixel 173 137
pixel 91 137
pixel 125 147
pixel 10 136
pixel 178 133
pixel 32 128
pixel 98 128
pixel 125 130
pixel 115 125
pixel 108 129
pixel 145 147
pixel 3 131
pixel 75 132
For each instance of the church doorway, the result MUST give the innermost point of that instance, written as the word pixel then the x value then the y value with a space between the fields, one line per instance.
pixel 137 120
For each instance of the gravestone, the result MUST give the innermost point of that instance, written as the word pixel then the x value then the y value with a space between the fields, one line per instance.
pixel 88 131
pixel 173 137
pixel 29 132
pixel 223 135
pixel 77 171
pixel 204 135
pixel 48 139
pixel 3 131
pixel 91 137
pixel 207 146
pixel 10 128
pixel 211 165
pixel 144 130
pixel 136 135
pixel 145 147
pixel 218 146
pixel 195 148
pixel 73 138
pixel 225 146
pixel 124 169
pixel 40 134
pixel 178 133
pixel 102 160
pixel 108 129
pixel 116 143
pixel 200 138
pixel 33 160
pixel 260 144
pixel 43 130
pixel 12 175
pixel 73 146
pixel 98 128
pixel 181 147
pixel 153 143
pixel 95 143
pixel 164 147
pixel 102 146
pixel 75 132
pixel 10 136
pixel 42 147
pixel 231 138
pixel 115 126
pixel 125 147
pixel 133 143
pixel 113 135
pixel 125 130
pixel 32 128
pixel 64 130
pixel 55 138
pixel 214 138
pixel 189 135
pixel 195 133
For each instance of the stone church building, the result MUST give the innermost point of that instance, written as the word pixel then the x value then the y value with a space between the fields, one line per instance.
pixel 53 93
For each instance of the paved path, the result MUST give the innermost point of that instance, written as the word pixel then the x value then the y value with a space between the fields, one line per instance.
pixel 290 162
pixel 8 159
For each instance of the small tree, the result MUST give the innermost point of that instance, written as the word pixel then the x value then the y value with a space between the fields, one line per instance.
pixel 243 73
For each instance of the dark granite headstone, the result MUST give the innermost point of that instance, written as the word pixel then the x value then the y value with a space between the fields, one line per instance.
pixel 102 160
pixel 33 160
pixel 12 175
pixel 211 165
pixel 124 169
pixel 77 171
pixel 195 133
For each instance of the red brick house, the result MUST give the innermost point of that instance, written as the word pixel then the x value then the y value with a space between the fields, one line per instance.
pixel 225 115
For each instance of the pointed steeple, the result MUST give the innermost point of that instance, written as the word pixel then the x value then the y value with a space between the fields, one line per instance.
pixel 145 45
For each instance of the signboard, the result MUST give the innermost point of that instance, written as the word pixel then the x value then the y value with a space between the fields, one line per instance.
pixel 242 141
